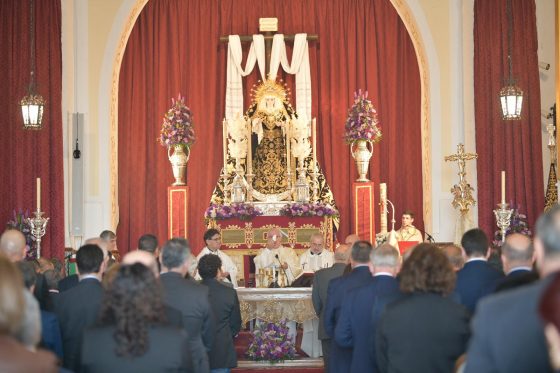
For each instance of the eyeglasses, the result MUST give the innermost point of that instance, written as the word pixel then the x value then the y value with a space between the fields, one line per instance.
pixel 216 238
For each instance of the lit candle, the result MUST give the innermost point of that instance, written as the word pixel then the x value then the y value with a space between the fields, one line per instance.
pixel 314 139
pixel 38 194
pixel 383 202
pixel 503 187
pixel 224 131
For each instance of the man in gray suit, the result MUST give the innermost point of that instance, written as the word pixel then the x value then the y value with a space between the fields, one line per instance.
pixel 190 298
pixel 508 333
pixel 319 293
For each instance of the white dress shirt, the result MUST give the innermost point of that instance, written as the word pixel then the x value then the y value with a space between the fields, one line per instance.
pixel 227 264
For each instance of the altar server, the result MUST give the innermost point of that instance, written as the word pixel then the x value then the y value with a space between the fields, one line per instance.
pixel 274 255
pixel 213 241
pixel 316 257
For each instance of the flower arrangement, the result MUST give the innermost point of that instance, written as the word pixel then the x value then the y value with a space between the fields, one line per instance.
pixel 19 222
pixel 308 209
pixel 240 210
pixel 177 127
pixel 518 224
pixel 362 122
pixel 270 342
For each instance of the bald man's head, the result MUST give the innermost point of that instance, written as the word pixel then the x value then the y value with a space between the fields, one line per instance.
pixel 142 257
pixel 517 251
pixel 99 242
pixel 274 238
pixel 12 244
pixel 455 255
pixel 350 239
pixel 342 253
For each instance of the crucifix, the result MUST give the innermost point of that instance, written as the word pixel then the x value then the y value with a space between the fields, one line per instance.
pixel 463 191
pixel 267 26
pixel 461 157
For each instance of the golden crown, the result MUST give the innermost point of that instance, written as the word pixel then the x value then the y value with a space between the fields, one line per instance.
pixel 270 88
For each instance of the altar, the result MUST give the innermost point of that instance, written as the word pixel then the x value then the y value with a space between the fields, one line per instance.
pixel 274 305
pixel 242 239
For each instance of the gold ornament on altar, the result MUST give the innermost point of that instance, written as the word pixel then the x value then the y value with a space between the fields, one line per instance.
pixel 177 132
pixel 279 163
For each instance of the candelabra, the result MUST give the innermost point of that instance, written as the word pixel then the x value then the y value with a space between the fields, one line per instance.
pixel 38 225
pixel 503 218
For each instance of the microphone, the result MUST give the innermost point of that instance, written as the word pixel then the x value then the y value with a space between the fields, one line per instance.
pixel 430 238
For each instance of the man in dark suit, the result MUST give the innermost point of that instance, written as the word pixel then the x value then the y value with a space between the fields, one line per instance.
pixel 227 315
pixel 69 282
pixel 352 329
pixel 77 308
pixel 341 358
pixel 477 278
pixel 507 330
pixel 190 298
pixel 517 260
pixel 319 293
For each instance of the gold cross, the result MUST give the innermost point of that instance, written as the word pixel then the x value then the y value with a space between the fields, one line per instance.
pixel 462 192
pixel 461 157
pixel 268 26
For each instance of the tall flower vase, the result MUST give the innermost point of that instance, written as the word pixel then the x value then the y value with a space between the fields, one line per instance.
pixel 362 154
pixel 178 161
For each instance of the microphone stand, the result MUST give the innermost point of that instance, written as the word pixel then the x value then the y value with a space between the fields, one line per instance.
pixel 283 270
pixel 430 237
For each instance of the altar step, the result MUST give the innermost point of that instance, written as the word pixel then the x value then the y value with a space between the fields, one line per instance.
pixel 301 365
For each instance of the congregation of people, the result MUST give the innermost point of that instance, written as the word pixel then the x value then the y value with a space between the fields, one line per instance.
pixel 161 309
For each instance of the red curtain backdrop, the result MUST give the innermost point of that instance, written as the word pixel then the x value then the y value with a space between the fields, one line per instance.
pixel 174 48
pixel 513 146
pixel 26 155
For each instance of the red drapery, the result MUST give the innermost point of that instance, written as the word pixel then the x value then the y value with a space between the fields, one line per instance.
pixel 513 146
pixel 26 155
pixel 174 48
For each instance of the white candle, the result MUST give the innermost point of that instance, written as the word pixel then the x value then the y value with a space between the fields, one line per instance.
pixel 314 139
pixel 38 194
pixel 288 152
pixel 383 202
pixel 249 149
pixel 224 132
pixel 503 187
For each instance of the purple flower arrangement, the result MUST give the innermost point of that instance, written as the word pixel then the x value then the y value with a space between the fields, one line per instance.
pixel 518 224
pixel 177 127
pixel 242 211
pixel 362 122
pixel 308 209
pixel 19 222
pixel 270 342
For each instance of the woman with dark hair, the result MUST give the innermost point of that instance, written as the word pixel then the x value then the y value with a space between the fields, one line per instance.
pixel 132 334
pixel 424 331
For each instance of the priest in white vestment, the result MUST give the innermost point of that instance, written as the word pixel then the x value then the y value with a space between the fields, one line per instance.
pixel 274 255
pixel 316 257
pixel 213 241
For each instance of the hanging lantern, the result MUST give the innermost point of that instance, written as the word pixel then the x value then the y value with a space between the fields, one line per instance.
pixel 511 96
pixel 511 100
pixel 33 104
